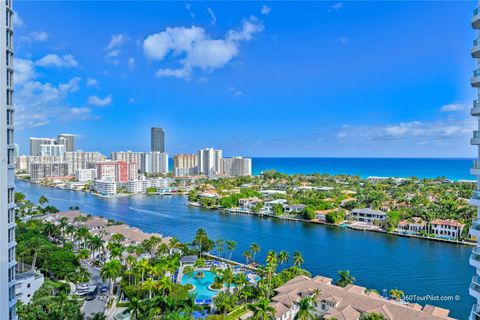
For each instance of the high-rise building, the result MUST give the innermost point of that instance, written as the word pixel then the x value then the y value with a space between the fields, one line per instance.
pixel 116 171
pixel 68 140
pixel 185 165
pixel 43 170
pixel 52 150
pixel 157 140
pixel 154 163
pixel 80 160
pixel 210 162
pixel 7 168
pixel 237 166
pixel 36 145
pixel 128 156
pixel 474 289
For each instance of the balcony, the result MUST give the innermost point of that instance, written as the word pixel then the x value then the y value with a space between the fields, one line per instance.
pixel 475 110
pixel 475 81
pixel 475 170
pixel 475 140
pixel 475 314
pixel 474 289
pixel 476 19
pixel 475 52
pixel 475 258
pixel 475 228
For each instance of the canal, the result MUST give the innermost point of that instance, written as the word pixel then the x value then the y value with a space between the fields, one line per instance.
pixel 383 262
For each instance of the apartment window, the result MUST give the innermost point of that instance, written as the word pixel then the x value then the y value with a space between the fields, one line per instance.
pixel 10 196
pixel 10 156
pixel 11 254
pixel 11 293
pixel 12 313
pixel 11 274
pixel 11 235
pixel 11 215
pixel 9 136
pixel 9 97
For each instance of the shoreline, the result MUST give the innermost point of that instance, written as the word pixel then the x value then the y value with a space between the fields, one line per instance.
pixel 292 219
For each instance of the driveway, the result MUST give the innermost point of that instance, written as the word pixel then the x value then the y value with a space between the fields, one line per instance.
pixel 96 305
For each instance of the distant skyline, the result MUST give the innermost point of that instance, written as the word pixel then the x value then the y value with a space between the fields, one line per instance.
pixel 292 79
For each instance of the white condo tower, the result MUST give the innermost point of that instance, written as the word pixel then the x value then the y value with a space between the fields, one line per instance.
pixel 474 289
pixel 7 173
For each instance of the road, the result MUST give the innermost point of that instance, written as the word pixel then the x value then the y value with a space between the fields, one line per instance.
pixel 98 304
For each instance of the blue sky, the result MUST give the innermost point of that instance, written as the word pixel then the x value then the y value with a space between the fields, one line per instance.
pixel 366 79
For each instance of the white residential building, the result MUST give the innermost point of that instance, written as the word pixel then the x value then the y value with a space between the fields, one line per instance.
pixel 43 170
pixel 269 205
pixel 52 150
pixel 84 175
pixel 128 157
pixel 81 160
pixel 105 188
pixel 210 162
pixel 474 289
pixel 7 168
pixel 447 228
pixel 36 145
pixel 68 140
pixel 27 284
pixel 237 166
pixel 155 163
pixel 368 215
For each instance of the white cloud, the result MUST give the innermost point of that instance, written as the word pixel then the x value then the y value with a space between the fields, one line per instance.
pixel 96 101
pixel 17 20
pixel 131 100
pixel 453 107
pixel 54 60
pixel 235 91
pixel 335 7
pixel 92 82
pixel 188 6
pixel 113 48
pixel 342 40
pixel 194 49
pixel 265 10
pixel 212 16
pixel 131 63
pixel 24 70
pixel 39 36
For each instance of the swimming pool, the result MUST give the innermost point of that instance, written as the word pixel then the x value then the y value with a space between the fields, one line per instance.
pixel 201 285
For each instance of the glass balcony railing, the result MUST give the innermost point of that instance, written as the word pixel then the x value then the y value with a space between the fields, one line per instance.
pixel 475 312
pixel 476 134
pixel 476 164
pixel 476 223
pixel 476 11
pixel 476 73
pixel 475 284
pixel 475 254
pixel 476 103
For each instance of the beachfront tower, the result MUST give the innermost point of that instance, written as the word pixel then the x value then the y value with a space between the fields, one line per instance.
pixel 475 140
pixel 7 169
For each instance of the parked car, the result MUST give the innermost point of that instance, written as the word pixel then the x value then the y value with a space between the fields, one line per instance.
pixel 104 288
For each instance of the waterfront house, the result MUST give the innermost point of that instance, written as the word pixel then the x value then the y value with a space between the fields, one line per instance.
pixel 349 303
pixel 294 208
pixel 268 205
pixel 368 215
pixel 446 228
pixel 248 203
pixel 415 225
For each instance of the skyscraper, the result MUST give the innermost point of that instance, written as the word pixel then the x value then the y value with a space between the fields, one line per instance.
pixel 36 145
pixel 68 140
pixel 7 169
pixel 157 140
pixel 210 162
pixel 474 289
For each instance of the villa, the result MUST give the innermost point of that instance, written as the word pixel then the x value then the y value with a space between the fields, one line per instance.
pixel 294 208
pixel 248 203
pixel 414 225
pixel 368 215
pixel 446 228
pixel 268 205
pixel 349 303
pixel 131 235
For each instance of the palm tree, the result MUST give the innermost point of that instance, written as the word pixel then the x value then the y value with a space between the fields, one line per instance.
pixel 248 255
pixel 283 257
pixel 298 259
pixel 200 238
pixel 372 316
pixel 143 266
pixel 305 309
pixel 98 316
pixel 254 249
pixel 262 310
pixel 94 243
pixel 345 278
pixel 149 285
pixel 42 200
pixel 83 254
pixel 165 285
pixel 231 246
pixel 82 234
pixel 397 294
pixel 135 308
pixel 111 271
